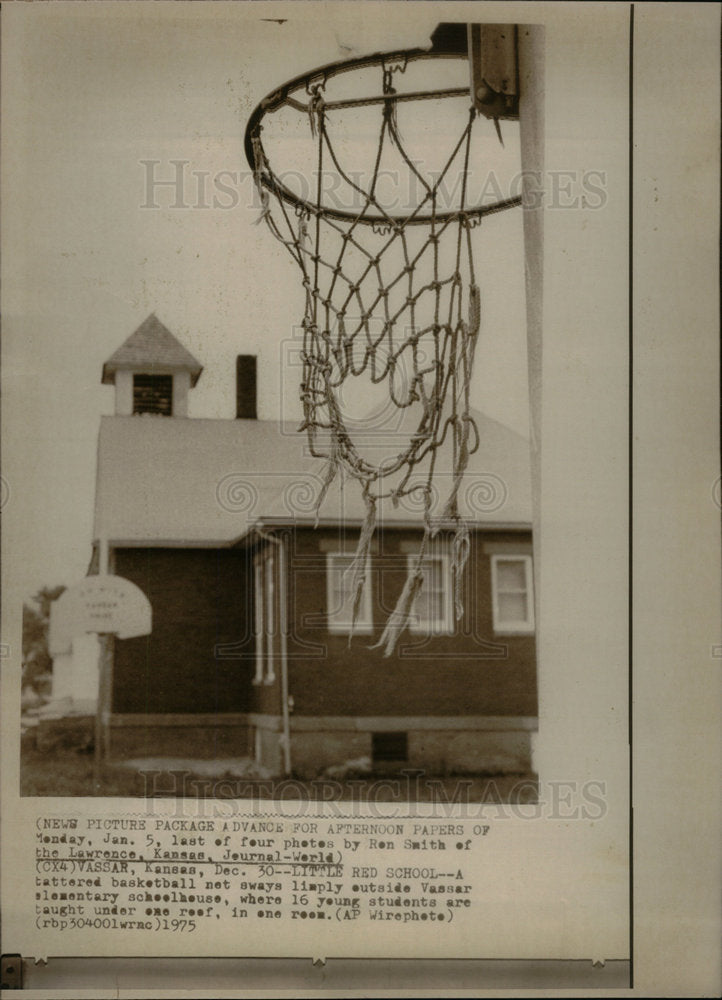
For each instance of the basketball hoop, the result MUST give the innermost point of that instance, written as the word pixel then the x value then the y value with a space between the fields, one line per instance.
pixel 391 292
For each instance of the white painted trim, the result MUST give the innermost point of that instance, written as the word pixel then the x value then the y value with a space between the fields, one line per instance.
pixel 445 625
pixel 387 521
pixel 508 548
pixel 330 723
pixel 258 629
pixel 170 543
pixel 123 394
pixel 152 369
pixel 410 545
pixel 283 624
pixel 344 546
pixel 181 388
pixel 364 624
pixel 398 723
pixel 519 627
pixel 270 615
pixel 251 534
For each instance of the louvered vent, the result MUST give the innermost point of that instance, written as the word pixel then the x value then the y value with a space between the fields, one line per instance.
pixel 153 394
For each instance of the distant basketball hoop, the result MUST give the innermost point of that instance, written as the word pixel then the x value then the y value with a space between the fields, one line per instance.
pixel 384 245
pixel 108 606
pixel 103 604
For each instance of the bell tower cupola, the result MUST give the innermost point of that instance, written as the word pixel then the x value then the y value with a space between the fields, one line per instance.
pixel 152 373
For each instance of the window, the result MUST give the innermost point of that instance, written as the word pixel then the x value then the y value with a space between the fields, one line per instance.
pixel 264 616
pixel 340 594
pixel 153 394
pixel 512 593
pixel 387 747
pixel 432 609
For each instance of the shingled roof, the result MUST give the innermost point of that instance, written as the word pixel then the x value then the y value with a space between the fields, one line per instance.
pixel 207 482
pixel 151 347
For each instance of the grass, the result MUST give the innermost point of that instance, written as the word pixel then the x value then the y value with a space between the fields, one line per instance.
pixel 68 772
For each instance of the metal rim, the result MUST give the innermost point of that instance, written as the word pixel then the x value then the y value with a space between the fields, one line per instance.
pixel 281 96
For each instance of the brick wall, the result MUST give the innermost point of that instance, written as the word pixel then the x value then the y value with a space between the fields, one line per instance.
pixel 474 672
pixel 200 599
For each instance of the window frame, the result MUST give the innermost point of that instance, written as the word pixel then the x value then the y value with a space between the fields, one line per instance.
pixel 364 623
pixel 444 625
pixel 518 627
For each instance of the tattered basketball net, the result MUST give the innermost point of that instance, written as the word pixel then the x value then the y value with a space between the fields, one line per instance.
pixel 390 298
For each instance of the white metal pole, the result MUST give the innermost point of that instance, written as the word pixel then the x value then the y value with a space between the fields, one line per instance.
pixel 531 129
pixel 103 555
pixel 283 622
pixel 280 543
pixel 103 707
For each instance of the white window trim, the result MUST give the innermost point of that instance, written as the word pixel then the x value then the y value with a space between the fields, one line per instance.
pixel 445 624
pixel 364 623
pixel 526 627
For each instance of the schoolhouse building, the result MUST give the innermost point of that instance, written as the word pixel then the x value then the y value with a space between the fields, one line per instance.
pixel 251 651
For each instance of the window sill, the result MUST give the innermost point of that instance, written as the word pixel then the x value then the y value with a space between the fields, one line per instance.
pixel 346 630
pixel 514 631
pixel 440 628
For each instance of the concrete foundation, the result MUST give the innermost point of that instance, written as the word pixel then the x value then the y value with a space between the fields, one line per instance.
pixel 313 752
pixel 332 744
pixel 439 746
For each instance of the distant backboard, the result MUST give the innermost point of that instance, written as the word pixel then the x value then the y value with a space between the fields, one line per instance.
pixel 100 604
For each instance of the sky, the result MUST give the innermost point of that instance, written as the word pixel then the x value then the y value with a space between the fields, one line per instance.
pixel 103 99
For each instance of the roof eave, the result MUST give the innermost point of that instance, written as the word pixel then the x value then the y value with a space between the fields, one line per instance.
pixel 265 524
pixel 109 370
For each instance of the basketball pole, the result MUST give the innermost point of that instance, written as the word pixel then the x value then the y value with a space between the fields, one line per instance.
pixel 101 711
pixel 101 715
pixel 531 129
